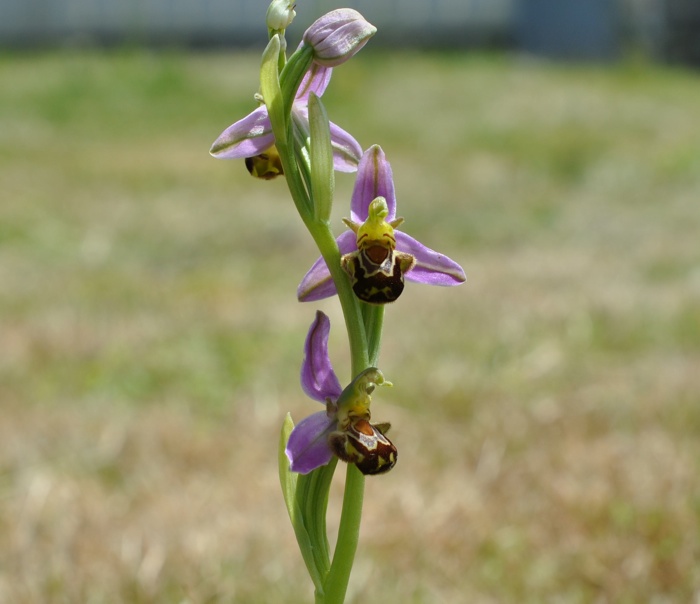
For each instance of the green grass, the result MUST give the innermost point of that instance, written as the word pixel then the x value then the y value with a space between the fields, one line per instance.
pixel 547 412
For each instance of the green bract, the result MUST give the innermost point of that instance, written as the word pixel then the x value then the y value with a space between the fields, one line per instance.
pixel 322 175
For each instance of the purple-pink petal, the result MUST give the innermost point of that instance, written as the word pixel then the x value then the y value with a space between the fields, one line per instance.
pixel 374 179
pixel 316 80
pixel 346 150
pixel 431 267
pixel 338 35
pixel 317 284
pixel 307 447
pixel 318 379
pixel 248 137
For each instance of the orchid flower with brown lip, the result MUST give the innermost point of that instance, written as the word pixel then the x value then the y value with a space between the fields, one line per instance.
pixel 375 182
pixel 343 428
pixel 252 136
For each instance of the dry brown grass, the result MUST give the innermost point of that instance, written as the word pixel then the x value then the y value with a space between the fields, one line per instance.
pixel 547 413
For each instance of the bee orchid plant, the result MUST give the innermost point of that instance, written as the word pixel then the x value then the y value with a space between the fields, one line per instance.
pixel 289 134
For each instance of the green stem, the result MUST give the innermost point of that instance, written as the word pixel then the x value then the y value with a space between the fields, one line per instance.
pixel 336 583
pixel 359 352
pixel 373 316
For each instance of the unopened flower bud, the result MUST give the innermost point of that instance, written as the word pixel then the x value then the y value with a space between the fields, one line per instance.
pixel 338 35
pixel 280 14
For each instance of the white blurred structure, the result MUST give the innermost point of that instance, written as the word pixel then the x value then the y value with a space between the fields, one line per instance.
pixel 662 28
pixel 239 22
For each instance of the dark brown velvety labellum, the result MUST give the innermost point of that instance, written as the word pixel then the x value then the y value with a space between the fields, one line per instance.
pixel 377 282
pixel 366 446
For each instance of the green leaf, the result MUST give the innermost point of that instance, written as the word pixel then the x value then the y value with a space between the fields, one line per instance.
pixel 306 498
pixel 322 175
pixel 313 504
pixel 288 479
pixel 270 89
pixel 336 583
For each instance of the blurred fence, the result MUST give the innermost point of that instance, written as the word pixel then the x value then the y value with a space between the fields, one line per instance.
pixel 578 29
pixel 238 22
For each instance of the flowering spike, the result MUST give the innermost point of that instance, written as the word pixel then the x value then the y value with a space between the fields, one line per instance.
pixel 338 35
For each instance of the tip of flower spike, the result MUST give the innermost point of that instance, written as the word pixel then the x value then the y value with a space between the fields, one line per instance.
pixel 280 14
pixel 338 35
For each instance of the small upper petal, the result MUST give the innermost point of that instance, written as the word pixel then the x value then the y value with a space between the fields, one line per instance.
pixel 317 283
pixel 248 137
pixel 316 80
pixel 318 379
pixel 346 150
pixel 374 179
pixel 307 447
pixel 431 267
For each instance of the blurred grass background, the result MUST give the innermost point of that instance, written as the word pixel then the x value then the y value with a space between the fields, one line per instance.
pixel 547 412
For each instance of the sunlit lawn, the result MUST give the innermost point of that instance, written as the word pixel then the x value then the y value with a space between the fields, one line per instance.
pixel 547 413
